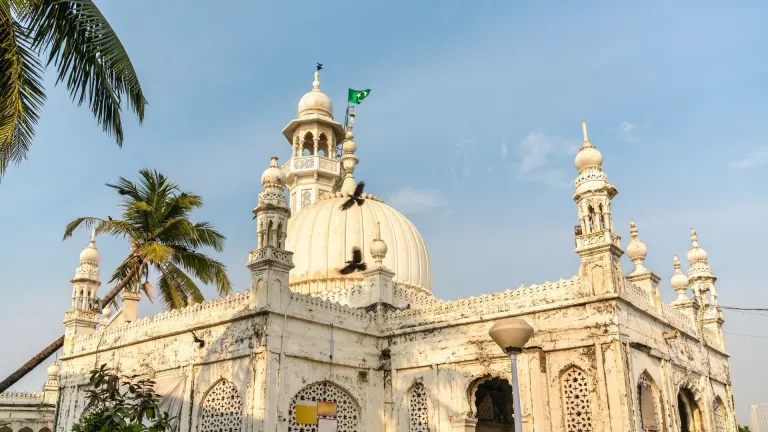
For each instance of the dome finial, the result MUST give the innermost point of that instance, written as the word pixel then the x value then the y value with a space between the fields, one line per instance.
pixel 636 250
pixel 90 254
pixel 679 282
pixel 316 82
pixel 694 238
pixel 584 132
pixel 378 247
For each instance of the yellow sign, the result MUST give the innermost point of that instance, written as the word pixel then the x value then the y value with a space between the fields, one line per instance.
pixel 326 409
pixel 306 414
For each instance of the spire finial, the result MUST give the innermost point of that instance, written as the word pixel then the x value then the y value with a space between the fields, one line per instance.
pixel 584 132
pixel 676 262
pixel 316 82
pixel 633 229
pixel 378 247
pixel 93 236
pixel 378 230
pixel 694 237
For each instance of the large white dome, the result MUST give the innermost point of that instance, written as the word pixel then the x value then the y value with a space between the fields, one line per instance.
pixel 322 236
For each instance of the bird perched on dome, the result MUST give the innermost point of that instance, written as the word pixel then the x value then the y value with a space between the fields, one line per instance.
pixel 355 198
pixel 356 264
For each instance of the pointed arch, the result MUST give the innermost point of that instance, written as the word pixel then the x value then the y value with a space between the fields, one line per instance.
pixel 650 416
pixel 490 399
pixel 688 411
pixel 221 409
pixel 347 410
pixel 270 233
pixel 324 145
pixel 418 408
pixel 5 429
pixel 308 144
pixel 45 429
pixel 26 429
pixel 576 392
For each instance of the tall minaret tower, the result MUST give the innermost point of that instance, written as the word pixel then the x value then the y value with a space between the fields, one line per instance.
pixel 596 242
pixel 270 263
pixel 313 168
pixel 82 318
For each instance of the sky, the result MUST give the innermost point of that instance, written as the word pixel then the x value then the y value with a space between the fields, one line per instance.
pixel 470 130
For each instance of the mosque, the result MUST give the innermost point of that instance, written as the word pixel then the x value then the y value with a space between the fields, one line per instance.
pixel 308 349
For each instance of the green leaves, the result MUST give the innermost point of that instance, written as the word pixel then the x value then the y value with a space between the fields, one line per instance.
pixel 78 40
pixel 135 408
pixel 21 90
pixel 163 240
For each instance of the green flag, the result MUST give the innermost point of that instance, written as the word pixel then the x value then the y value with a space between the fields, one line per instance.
pixel 357 96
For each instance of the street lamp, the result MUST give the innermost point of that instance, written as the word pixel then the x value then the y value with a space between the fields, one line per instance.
pixel 511 335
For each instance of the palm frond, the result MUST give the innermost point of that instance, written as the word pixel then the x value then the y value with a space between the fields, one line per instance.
pixel 205 268
pixel 90 58
pixel 155 253
pixel 174 280
pixel 21 90
pixel 75 224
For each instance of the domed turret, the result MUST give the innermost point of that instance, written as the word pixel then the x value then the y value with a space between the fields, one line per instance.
pixel 315 102
pixel 273 176
pixel 679 280
pixel 588 155
pixel 378 247
pixel 696 254
pixel 90 254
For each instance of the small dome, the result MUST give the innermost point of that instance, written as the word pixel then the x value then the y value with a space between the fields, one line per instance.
pixel 53 369
pixel 90 254
pixel 636 248
pixel 679 280
pixel 696 253
pixel 273 176
pixel 588 156
pixel 315 102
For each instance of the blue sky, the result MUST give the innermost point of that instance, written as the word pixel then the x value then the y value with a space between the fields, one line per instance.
pixel 469 130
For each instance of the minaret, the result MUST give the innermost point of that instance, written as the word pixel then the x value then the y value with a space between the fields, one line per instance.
pixel 82 318
pixel 313 168
pixel 596 242
pixel 703 282
pixel 270 263
pixel 640 275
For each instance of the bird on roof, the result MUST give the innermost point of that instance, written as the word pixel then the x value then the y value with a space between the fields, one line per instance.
pixel 355 264
pixel 355 198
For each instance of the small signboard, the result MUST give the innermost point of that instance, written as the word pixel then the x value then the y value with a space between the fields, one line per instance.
pixel 327 425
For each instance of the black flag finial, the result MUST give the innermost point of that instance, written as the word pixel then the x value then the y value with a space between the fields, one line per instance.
pixel 319 67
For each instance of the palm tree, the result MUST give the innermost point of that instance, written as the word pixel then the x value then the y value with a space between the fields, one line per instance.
pixel 76 38
pixel 163 241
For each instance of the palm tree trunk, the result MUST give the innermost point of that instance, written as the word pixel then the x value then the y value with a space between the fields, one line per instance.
pixel 58 343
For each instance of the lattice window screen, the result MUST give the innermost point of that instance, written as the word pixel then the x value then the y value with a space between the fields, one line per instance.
pixel 222 409
pixel 418 411
pixel 577 401
pixel 347 413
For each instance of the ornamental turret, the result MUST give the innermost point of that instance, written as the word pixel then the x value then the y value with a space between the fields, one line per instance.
pixel 270 263
pixel 82 317
pixel 702 282
pixel 314 167
pixel 596 242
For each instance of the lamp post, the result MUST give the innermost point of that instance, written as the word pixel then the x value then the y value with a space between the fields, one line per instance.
pixel 511 335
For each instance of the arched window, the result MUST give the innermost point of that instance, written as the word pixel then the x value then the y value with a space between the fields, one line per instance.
pixel 222 409
pixel 45 429
pixel 323 402
pixel 269 233
pixel 493 406
pixel 688 411
pixel 26 429
pixel 5 429
pixel 418 411
pixel 647 401
pixel 591 218
pixel 601 216
pixel 308 145
pixel 577 400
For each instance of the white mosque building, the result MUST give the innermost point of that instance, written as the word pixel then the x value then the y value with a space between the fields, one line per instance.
pixel 305 348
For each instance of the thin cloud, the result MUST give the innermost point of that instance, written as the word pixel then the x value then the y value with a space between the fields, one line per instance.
pixel 464 160
pixel 413 201
pixel 626 131
pixel 757 157
pixel 541 159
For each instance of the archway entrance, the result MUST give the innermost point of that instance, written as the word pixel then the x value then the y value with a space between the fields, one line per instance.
pixel 688 412
pixel 493 406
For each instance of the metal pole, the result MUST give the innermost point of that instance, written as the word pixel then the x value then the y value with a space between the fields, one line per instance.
pixel 516 394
